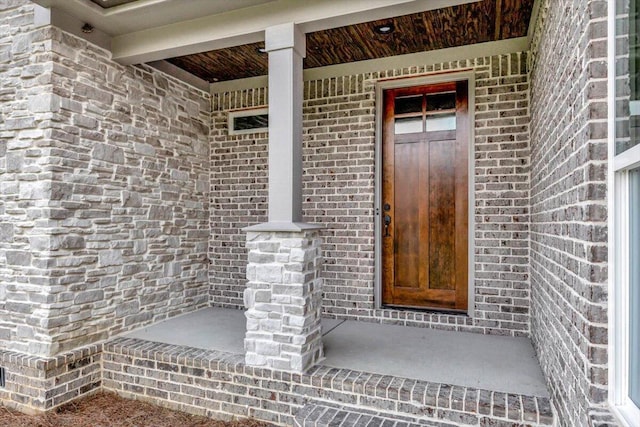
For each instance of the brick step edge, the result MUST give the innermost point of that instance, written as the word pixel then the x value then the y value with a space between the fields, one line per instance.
pixel 327 414
pixel 322 414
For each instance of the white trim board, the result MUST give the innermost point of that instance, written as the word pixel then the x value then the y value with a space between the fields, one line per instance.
pixel 44 16
pixel 145 14
pixel 627 159
pixel 248 25
pixel 469 76
pixel 432 57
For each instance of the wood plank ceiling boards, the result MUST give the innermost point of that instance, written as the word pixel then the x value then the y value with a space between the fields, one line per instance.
pixel 484 21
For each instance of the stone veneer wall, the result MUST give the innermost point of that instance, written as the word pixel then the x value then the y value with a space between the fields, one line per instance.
pixel 339 153
pixel 25 87
pixel 568 203
pixel 104 175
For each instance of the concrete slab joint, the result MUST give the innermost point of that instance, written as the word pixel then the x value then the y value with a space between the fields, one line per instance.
pixel 283 299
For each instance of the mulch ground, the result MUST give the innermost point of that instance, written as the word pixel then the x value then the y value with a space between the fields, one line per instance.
pixel 110 410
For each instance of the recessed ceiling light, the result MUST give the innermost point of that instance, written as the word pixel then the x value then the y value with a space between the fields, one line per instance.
pixel 384 29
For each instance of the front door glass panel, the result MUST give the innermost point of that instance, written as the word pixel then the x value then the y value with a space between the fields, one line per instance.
pixel 408 125
pixel 440 122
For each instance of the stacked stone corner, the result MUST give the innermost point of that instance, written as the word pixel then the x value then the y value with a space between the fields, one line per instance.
pixel 283 300
pixel 104 183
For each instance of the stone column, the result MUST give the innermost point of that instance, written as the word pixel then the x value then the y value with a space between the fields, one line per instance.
pixel 284 296
pixel 283 300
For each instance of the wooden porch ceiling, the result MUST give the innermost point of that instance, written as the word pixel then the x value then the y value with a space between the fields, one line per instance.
pixel 484 21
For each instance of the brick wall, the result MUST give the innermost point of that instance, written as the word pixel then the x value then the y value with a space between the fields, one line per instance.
pixel 568 204
pixel 35 384
pixel 104 173
pixel 339 160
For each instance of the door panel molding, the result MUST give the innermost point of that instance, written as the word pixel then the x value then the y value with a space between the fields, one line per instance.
pixel 467 75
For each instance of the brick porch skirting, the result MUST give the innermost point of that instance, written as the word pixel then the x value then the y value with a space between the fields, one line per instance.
pixel 36 384
pixel 220 384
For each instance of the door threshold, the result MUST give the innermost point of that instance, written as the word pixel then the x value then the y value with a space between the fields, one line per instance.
pixel 443 311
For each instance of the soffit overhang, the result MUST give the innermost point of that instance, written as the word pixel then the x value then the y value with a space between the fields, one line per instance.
pixel 220 40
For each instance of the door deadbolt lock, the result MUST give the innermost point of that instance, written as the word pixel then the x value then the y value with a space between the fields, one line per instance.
pixel 387 222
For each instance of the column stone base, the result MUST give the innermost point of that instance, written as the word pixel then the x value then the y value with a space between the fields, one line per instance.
pixel 283 298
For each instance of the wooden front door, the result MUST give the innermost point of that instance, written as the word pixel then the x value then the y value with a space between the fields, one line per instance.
pixel 425 197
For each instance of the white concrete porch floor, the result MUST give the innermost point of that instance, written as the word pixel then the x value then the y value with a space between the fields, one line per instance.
pixel 496 363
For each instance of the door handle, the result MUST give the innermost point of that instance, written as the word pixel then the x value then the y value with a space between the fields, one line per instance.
pixel 387 222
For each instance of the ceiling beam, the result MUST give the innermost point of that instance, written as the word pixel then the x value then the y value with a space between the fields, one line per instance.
pixel 247 25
